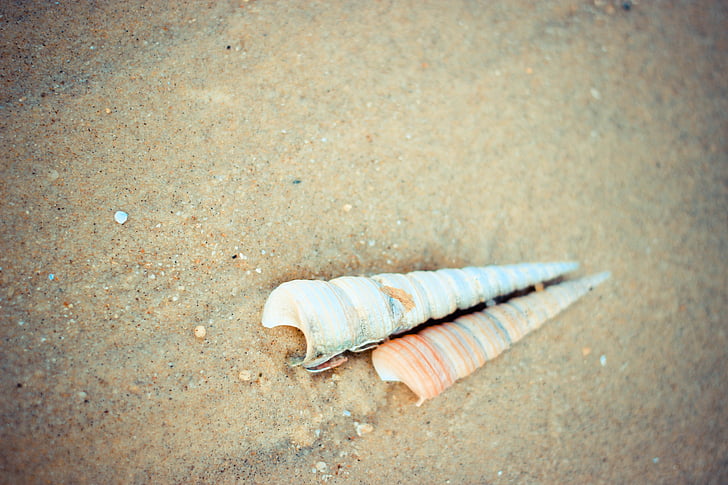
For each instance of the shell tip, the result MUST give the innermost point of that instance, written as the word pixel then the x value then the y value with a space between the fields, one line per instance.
pixel 571 265
pixel 599 278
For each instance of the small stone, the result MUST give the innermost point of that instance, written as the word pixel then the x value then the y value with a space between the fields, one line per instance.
pixel 121 217
pixel 586 351
pixel 321 466
pixel 603 360
pixel 245 375
pixel 347 207
pixel 363 428
pixel 200 332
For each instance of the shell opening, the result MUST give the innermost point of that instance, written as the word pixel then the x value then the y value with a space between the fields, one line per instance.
pixel 281 310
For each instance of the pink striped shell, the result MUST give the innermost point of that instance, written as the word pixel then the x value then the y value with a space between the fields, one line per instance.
pixel 431 360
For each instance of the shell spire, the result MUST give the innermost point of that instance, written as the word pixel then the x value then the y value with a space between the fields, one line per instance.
pixel 357 312
pixel 431 360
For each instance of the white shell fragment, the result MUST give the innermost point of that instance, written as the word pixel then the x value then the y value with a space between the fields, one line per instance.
pixel 121 217
pixel 357 312
pixel 431 360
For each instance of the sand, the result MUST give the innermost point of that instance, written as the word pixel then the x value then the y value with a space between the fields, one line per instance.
pixel 251 143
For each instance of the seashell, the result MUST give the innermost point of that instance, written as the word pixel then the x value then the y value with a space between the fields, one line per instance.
pixel 431 360
pixel 357 312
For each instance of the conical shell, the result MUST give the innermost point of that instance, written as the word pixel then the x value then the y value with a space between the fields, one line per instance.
pixel 357 312
pixel 431 360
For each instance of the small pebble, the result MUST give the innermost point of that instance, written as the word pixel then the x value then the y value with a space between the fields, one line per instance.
pixel 245 375
pixel 121 217
pixel 603 360
pixel 321 466
pixel 363 428
pixel 347 207
pixel 586 351
pixel 200 332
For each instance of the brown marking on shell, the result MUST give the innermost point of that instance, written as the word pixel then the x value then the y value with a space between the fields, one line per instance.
pixel 400 295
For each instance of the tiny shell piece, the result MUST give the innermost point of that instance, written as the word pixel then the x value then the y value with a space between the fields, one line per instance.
pixel 357 312
pixel 121 217
pixel 431 360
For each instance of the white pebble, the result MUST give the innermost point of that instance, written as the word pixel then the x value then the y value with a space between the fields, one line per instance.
pixel 200 331
pixel 121 217
pixel 321 466
pixel 363 428
pixel 603 360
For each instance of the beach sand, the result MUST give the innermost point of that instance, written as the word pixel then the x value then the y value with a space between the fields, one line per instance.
pixel 251 143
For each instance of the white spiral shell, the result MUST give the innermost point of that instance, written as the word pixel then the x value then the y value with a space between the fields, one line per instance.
pixel 357 312
pixel 431 360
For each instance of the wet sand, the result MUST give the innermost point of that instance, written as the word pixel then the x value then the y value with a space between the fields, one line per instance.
pixel 256 142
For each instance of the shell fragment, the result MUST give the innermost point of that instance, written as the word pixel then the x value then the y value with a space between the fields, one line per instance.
pixel 121 217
